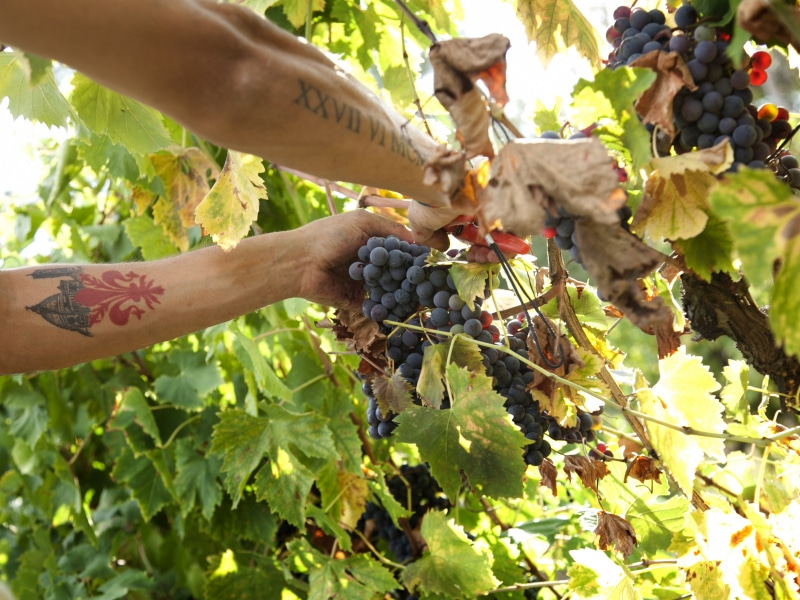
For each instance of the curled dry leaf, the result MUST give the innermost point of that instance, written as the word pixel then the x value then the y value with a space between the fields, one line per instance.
pixel 588 469
pixel 614 531
pixel 457 64
pixel 616 259
pixel 530 178
pixel 761 18
pixel 672 74
pixel 549 473
pixel 362 335
pixel 445 170
pixel 643 468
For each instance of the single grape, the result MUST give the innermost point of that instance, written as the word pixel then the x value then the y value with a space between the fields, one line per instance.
pixel 440 316
pixel 744 135
pixel 789 162
pixel 621 24
pixel 692 109
pixel 712 102
pixel 699 70
pixel 733 106
pixel 679 44
pixel 705 51
pixel 658 17
pixel 703 33
pixel 639 18
pixel 758 77
pixel 356 271
pixel 740 80
pixel 761 60
pixel 473 328
pixel 378 313
pixel 685 16
pixel 438 278
pixel 375 242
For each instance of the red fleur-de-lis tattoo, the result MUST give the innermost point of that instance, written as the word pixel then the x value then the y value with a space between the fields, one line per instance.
pixel 84 300
pixel 117 295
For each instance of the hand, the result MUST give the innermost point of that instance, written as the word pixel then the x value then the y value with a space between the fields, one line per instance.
pixel 426 222
pixel 332 244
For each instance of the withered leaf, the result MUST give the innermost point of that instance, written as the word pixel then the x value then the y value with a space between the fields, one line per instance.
pixel 392 393
pixel 529 179
pixel 588 469
pixel 362 335
pixel 643 468
pixel 445 170
pixel 672 74
pixel 667 339
pixel 549 473
pixel 616 259
pixel 457 64
pixel 614 531
pixel 767 21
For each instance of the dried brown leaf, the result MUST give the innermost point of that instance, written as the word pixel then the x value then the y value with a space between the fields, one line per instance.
pixel 549 473
pixel 760 18
pixel 588 469
pixel 672 74
pixel 667 339
pixel 643 468
pixel 457 64
pixel 362 335
pixel 616 259
pixel 529 179
pixel 614 531
pixel 445 170
pixel 393 394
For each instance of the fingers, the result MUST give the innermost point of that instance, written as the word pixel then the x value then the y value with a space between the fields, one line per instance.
pixel 426 224
pixel 376 225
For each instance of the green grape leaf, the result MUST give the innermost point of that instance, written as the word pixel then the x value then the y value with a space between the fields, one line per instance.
pixel 734 393
pixel 608 101
pixel 41 101
pixel 197 478
pixel 453 565
pixel 253 360
pixel 675 201
pixel 246 440
pixel 185 173
pixel 296 11
pixel 582 580
pixel 555 25
pixel 683 397
pixel 475 436
pixel 764 220
pixel 430 386
pixel 246 581
pixel 36 68
pixel 330 526
pixel 356 577
pixel 470 280
pixel 393 394
pixel 120 585
pixel 249 521
pixel 231 206
pixel 547 119
pixel 133 408
pixel 284 482
pixel 656 521
pixel 125 121
pixel 394 509
pixel 189 388
pixel 144 481
pixel 29 416
pixel 710 250
pixel 148 236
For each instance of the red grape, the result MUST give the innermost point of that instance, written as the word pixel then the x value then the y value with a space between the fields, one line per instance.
pixel 758 77
pixel 761 60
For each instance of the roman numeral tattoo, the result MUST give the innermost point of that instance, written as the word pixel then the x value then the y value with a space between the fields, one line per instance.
pixel 329 108
pixel 84 300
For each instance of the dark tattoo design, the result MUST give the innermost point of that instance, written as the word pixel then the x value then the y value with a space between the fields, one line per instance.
pixel 84 300
pixel 329 108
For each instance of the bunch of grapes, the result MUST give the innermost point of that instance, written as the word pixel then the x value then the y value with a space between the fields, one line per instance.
pixel 439 308
pixel 721 108
pixel 425 494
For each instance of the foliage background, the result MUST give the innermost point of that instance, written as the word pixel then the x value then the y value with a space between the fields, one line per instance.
pixel 232 463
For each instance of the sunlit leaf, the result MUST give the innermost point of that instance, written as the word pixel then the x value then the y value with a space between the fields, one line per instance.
pixel 41 101
pixel 453 565
pixel 231 206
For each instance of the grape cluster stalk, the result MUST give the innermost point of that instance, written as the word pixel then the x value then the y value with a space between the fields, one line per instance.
pixel 426 298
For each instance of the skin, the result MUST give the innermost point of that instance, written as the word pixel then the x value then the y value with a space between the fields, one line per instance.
pixel 231 77
pixel 187 292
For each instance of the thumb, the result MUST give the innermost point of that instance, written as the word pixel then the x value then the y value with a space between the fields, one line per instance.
pixel 426 224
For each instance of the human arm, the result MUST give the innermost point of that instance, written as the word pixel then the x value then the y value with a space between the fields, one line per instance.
pixel 53 316
pixel 235 79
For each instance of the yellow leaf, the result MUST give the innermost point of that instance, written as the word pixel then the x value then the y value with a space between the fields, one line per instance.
pixel 231 206
pixel 683 397
pixel 675 203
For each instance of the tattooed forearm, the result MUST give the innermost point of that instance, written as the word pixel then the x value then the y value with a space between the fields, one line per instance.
pixel 351 118
pixel 84 300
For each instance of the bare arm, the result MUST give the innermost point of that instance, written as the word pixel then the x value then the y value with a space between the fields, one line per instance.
pixel 54 316
pixel 233 78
